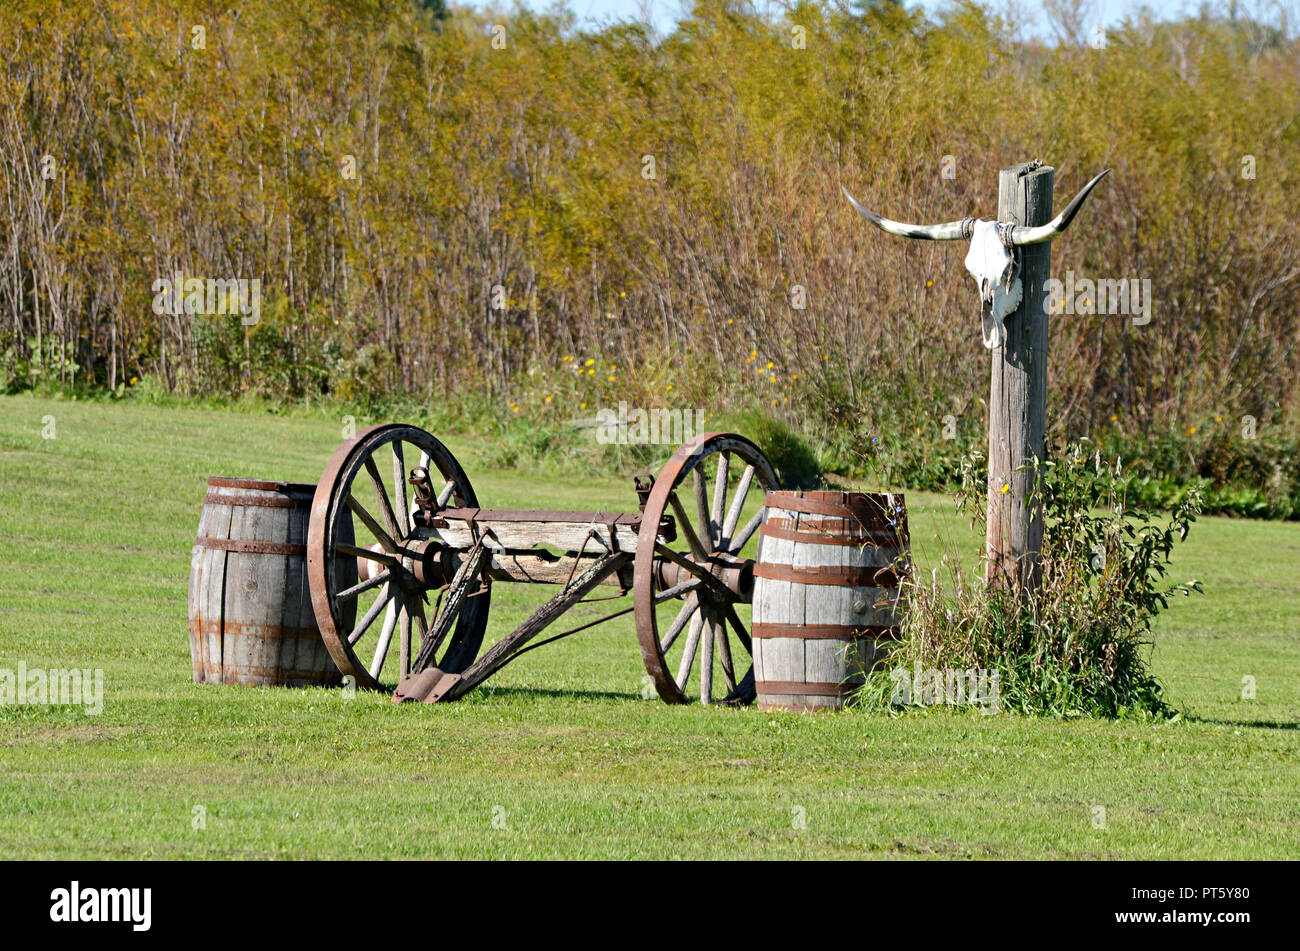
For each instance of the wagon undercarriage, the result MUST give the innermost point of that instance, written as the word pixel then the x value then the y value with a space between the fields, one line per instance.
pixel 401 558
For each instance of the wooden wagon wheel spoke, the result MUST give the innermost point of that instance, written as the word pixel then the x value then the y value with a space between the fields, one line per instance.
pixel 384 539
pixel 380 603
pixel 684 616
pixel 737 506
pixel 399 486
pixel 742 635
pixel 720 497
pixel 445 495
pixel 706 655
pixel 343 548
pixel 688 655
pixel 381 494
pixel 702 508
pixel 395 607
pixel 414 621
pixel 748 531
pixel 678 590
pixel 372 582
pixel 724 658
pixel 684 523
pixel 684 563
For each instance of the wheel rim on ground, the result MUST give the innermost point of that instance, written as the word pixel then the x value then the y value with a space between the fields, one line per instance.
pixel 364 620
pixel 694 633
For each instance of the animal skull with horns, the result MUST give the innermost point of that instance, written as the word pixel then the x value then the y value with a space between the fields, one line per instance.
pixel 991 259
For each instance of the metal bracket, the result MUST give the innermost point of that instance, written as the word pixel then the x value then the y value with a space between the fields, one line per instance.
pixel 643 483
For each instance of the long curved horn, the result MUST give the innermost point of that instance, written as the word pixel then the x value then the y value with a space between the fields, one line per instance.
pixel 950 231
pixel 1058 224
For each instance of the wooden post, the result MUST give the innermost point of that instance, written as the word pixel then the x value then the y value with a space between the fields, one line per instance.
pixel 1018 391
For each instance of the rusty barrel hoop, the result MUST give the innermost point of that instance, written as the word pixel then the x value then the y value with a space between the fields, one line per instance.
pixel 826 593
pixel 250 614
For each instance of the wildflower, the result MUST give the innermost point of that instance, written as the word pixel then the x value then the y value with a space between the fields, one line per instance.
pixel 1192 431
pixel 770 364
pixel 622 293
pixel 135 380
pixel 1006 487
pixel 929 283
pixel 1113 417
pixel 670 386
pixel 589 362
pixel 548 399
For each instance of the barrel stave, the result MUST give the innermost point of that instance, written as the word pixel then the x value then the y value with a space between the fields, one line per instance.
pixel 825 594
pixel 251 618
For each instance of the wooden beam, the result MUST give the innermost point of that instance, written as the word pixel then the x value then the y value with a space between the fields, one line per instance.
pixel 1018 391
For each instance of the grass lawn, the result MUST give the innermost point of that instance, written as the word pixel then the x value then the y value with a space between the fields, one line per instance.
pixel 558 756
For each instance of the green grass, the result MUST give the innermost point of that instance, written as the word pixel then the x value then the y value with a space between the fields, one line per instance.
pixel 95 533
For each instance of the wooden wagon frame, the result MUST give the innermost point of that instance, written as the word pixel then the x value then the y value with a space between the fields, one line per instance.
pixel 679 558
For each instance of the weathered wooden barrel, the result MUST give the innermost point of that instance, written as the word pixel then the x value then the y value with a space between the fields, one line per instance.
pixel 826 593
pixel 251 618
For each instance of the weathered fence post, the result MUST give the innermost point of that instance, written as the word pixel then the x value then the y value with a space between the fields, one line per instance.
pixel 1010 256
pixel 1018 390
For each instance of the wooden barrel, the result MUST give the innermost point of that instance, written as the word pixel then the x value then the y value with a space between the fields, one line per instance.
pixel 251 619
pixel 826 591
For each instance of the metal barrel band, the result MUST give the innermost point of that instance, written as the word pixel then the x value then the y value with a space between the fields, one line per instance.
pixel 261 485
pixel 245 547
pixel 810 688
pixel 214 627
pixel 852 505
pixel 883 576
pixel 774 528
pixel 258 501
pixel 843 632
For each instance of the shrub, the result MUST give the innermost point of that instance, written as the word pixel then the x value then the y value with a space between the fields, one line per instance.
pixel 1080 647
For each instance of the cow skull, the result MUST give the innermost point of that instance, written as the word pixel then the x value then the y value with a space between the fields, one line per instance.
pixel 991 260
pixel 994 270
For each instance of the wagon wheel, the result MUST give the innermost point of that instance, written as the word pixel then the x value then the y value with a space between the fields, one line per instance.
pixel 691 626
pixel 363 590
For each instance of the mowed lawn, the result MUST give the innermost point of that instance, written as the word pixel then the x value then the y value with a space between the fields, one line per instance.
pixel 559 755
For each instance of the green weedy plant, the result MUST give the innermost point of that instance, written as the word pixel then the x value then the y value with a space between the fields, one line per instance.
pixel 1081 646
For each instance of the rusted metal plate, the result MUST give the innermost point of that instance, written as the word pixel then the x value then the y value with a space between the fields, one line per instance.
pixel 417 687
